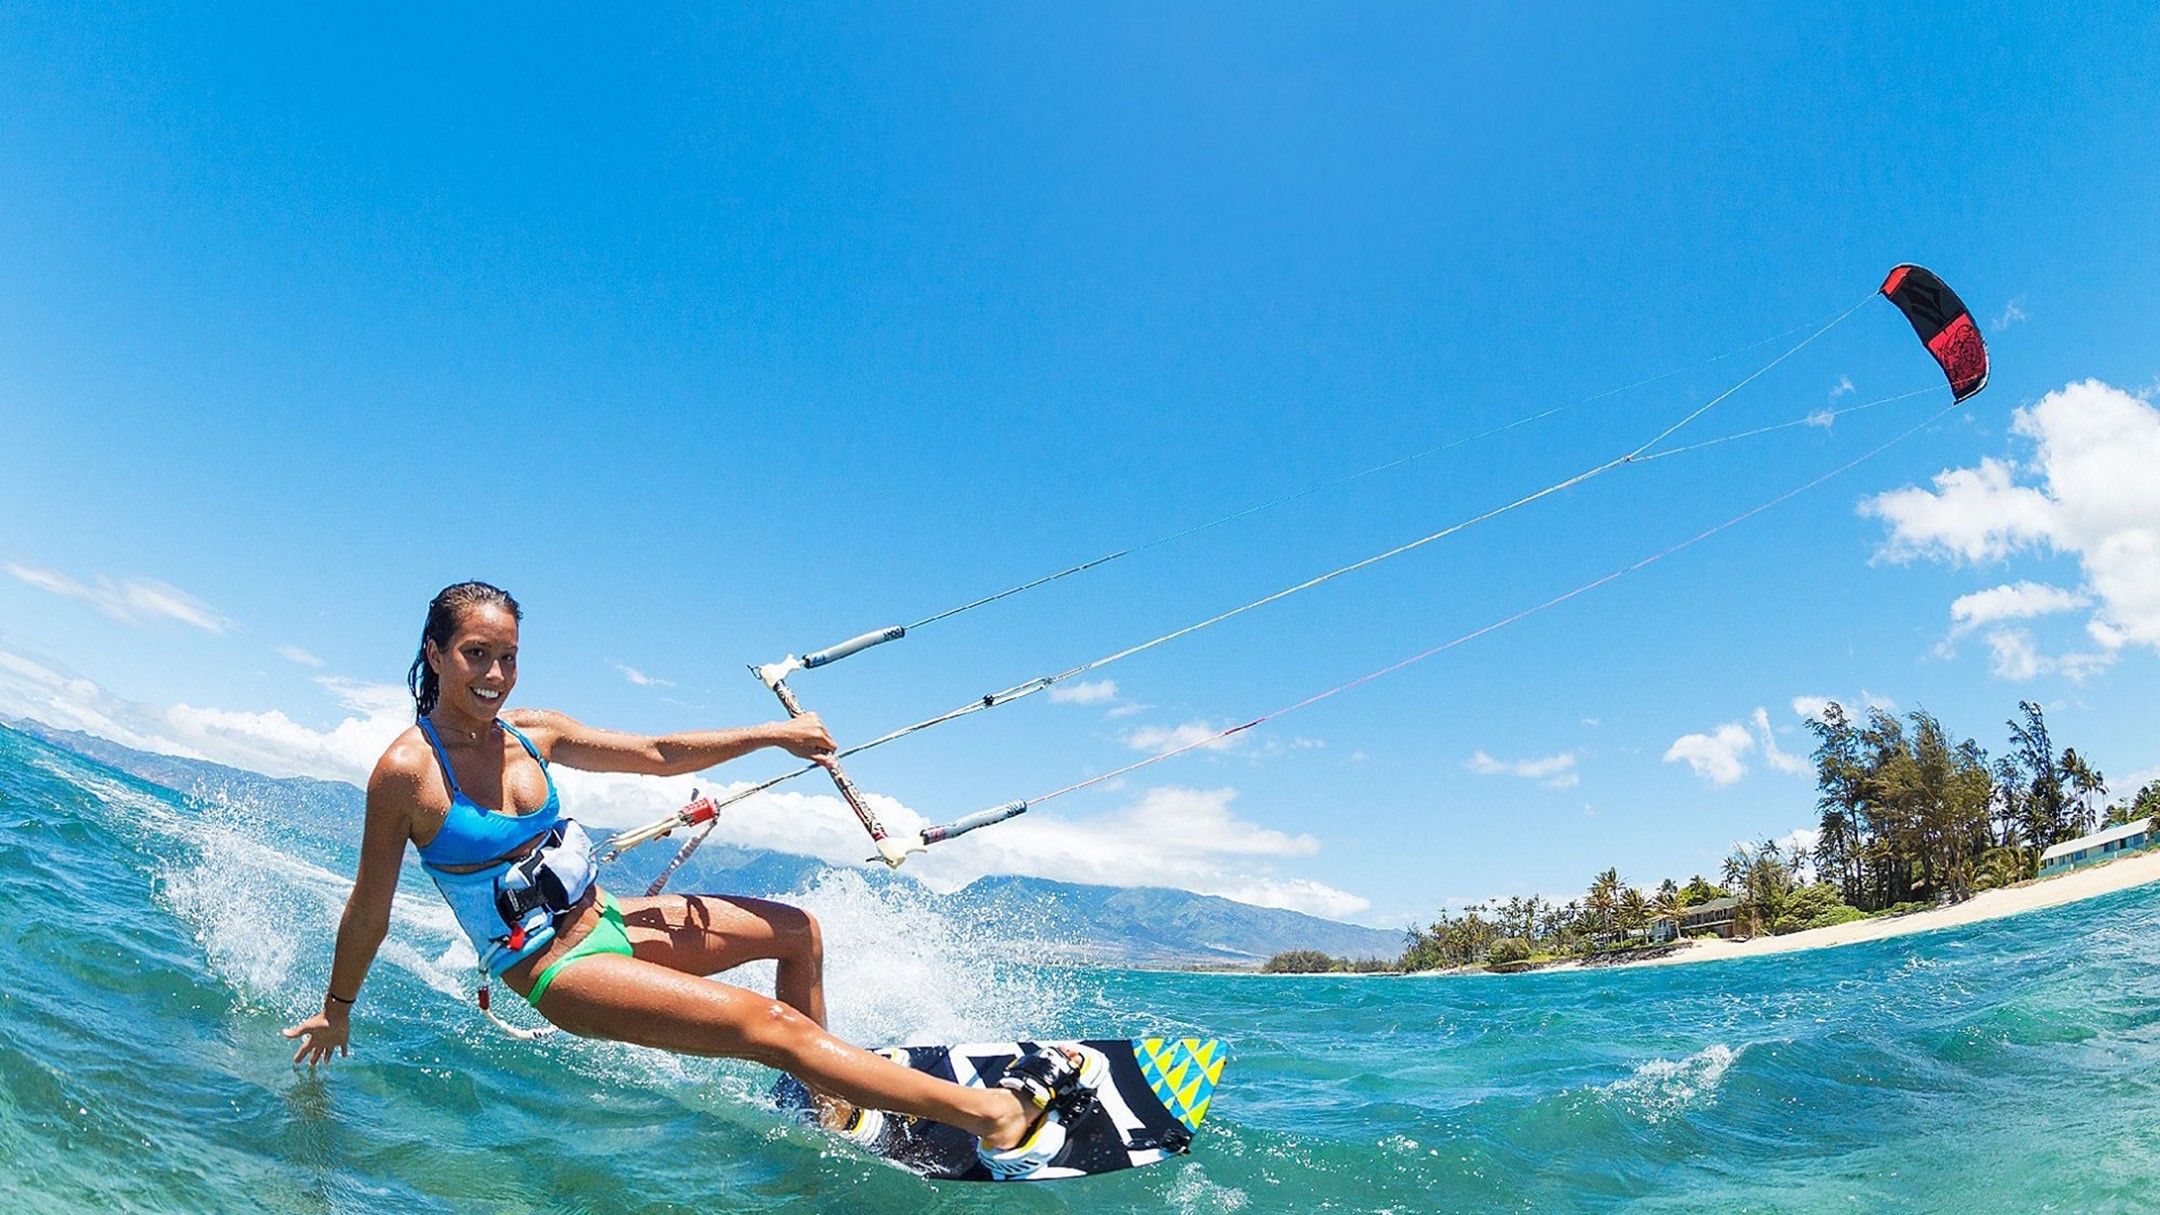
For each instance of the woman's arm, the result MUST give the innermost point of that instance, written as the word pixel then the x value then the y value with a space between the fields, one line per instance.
pixel 570 742
pixel 393 792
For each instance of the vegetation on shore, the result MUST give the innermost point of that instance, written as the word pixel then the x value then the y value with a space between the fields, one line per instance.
pixel 1909 819
pixel 1314 962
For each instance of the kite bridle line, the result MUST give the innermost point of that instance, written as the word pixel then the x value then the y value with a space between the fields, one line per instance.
pixel 893 852
pixel 1495 626
pixel 863 641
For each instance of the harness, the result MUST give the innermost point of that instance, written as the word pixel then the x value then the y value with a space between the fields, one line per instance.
pixel 507 908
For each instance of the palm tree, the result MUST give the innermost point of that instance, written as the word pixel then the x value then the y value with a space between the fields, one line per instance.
pixel 2085 784
pixel 1634 910
pixel 1603 901
pixel 1840 774
pixel 2000 867
pixel 1667 904
pixel 2041 798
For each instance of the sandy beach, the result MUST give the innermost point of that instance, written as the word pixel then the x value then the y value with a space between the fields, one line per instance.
pixel 1991 904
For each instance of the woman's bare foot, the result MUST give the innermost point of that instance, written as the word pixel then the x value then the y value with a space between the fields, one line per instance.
pixel 833 1114
pixel 1012 1124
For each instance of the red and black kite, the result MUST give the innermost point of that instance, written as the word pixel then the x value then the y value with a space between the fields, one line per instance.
pixel 1940 318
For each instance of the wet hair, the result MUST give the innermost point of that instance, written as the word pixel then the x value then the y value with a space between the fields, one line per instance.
pixel 444 611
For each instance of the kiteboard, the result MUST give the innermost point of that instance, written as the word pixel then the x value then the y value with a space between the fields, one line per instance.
pixel 1147 1108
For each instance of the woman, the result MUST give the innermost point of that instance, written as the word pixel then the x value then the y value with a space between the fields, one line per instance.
pixel 469 788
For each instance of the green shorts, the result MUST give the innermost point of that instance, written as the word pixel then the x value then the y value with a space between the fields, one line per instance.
pixel 607 936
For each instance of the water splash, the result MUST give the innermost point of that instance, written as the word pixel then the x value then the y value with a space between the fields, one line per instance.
pixel 901 969
pixel 1665 1088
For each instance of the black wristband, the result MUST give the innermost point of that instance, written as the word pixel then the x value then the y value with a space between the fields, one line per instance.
pixel 340 999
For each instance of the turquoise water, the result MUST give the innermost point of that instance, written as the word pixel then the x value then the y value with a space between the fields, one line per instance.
pixel 152 945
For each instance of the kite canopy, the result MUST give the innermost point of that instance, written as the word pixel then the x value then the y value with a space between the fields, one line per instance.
pixel 1941 320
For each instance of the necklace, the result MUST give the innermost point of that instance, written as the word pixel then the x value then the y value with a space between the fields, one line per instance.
pixel 471 736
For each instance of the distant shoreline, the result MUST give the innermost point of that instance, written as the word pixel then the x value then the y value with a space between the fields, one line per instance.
pixel 2090 881
pixel 2075 886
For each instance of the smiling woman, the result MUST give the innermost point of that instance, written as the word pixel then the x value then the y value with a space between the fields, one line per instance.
pixel 472 792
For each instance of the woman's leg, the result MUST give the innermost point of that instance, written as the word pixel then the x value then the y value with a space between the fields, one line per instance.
pixel 648 1004
pixel 705 934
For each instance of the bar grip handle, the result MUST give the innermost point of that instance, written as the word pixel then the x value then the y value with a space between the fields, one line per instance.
pixel 981 818
pixel 853 645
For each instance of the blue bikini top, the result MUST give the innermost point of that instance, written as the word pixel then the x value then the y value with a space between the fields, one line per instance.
pixel 474 835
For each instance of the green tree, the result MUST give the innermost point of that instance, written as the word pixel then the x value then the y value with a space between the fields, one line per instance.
pixel 1634 911
pixel 2003 866
pixel 2145 807
pixel 1299 962
pixel 2036 795
pixel 1603 904
pixel 2085 786
pixel 1816 905
pixel 1699 891
pixel 1839 775
pixel 1507 950
pixel 1762 877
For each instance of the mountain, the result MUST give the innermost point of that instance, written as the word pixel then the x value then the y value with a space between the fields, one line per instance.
pixel 332 808
pixel 1100 925
pixel 1156 926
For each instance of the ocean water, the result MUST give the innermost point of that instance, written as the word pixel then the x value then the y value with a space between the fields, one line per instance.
pixel 152 945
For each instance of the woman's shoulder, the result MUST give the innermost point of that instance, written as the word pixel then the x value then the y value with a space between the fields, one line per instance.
pixel 404 762
pixel 543 726
pixel 532 719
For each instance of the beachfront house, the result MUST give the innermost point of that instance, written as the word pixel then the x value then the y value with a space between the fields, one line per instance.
pixel 1717 917
pixel 2099 846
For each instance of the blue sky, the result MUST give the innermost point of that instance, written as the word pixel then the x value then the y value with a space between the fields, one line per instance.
pixel 716 335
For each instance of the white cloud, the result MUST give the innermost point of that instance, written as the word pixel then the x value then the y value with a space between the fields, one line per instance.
pixel 1297 894
pixel 1973 514
pixel 2013 656
pixel 293 653
pixel 1800 840
pixel 136 601
pixel 373 699
pixel 1102 691
pixel 2019 601
pixel 1716 756
pixel 31 689
pixel 1160 740
pixel 1799 844
pixel 1171 836
pixel 2093 498
pixel 269 742
pixel 1843 386
pixel 1552 771
pixel 1783 761
pixel 1814 706
pixel 2010 315
pixel 640 678
pixel 1720 756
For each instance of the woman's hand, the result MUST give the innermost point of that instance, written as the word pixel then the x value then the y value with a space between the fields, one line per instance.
pixel 322 1035
pixel 804 737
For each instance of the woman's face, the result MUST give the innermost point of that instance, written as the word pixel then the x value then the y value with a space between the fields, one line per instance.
pixel 480 667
